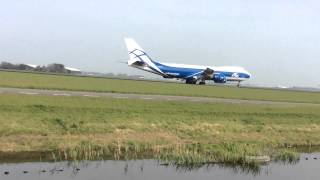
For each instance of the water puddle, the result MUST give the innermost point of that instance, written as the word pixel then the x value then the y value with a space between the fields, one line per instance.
pixel 308 167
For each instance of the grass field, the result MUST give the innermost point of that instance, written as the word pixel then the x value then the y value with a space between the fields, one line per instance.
pixel 60 82
pixel 45 123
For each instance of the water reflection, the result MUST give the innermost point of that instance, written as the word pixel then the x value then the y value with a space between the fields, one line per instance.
pixel 151 169
pixel 253 169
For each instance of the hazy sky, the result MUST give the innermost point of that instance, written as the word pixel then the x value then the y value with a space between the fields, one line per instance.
pixel 278 41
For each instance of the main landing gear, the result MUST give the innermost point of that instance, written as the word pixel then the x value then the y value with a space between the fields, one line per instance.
pixel 194 81
pixel 191 81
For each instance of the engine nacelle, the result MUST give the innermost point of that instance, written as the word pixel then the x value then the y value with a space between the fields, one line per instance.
pixel 219 78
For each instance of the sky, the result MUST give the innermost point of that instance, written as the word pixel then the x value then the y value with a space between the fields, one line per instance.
pixel 277 41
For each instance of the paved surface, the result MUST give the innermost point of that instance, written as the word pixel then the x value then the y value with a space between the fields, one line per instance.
pixel 140 96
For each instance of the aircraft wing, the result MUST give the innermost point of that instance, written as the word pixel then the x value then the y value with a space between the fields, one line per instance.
pixel 206 74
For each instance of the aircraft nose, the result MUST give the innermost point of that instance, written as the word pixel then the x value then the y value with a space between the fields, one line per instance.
pixel 248 75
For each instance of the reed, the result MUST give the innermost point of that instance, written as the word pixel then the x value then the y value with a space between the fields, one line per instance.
pixel 180 155
pixel 287 156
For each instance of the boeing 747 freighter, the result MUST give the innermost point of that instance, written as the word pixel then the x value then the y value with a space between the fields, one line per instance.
pixel 192 74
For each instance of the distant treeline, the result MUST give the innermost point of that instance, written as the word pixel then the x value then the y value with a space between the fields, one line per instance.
pixel 52 68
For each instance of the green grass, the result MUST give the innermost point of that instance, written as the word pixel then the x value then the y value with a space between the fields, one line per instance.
pixel 180 131
pixel 60 82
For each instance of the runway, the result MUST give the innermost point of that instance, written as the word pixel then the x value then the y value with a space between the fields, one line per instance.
pixel 43 92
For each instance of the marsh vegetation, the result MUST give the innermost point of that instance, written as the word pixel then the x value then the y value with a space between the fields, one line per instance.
pixel 179 133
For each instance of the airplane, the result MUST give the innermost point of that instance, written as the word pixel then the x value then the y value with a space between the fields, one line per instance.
pixel 192 74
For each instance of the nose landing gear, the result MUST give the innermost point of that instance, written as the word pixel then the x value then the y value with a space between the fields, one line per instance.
pixel 238 85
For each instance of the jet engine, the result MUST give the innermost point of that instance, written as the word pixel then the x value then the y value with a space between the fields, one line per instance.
pixel 219 78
